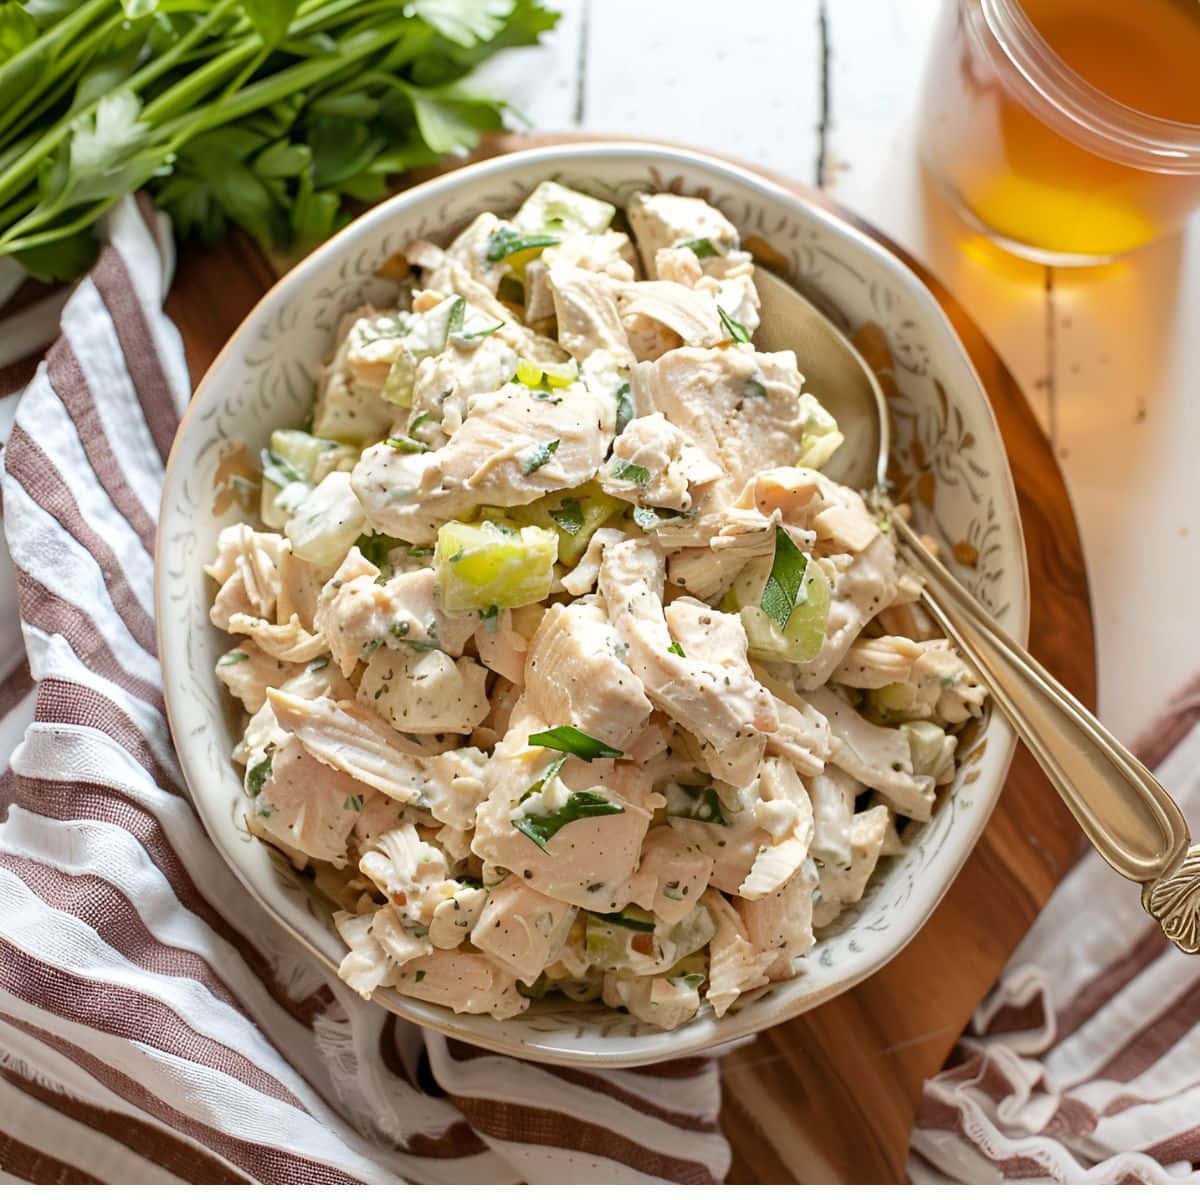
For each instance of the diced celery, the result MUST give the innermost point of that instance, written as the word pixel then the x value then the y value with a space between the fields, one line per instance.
pixel 821 435
pixel 552 375
pixel 312 457
pixel 550 206
pixel 327 522
pixel 485 564
pixel 800 640
pixel 932 749
pixel 402 374
pixel 573 515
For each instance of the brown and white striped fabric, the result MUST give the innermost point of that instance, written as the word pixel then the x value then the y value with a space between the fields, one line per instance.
pixel 155 1026
pixel 1083 1064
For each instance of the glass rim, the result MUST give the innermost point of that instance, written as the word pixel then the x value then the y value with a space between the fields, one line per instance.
pixel 1066 100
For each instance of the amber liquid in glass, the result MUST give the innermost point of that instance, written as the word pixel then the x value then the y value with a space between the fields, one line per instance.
pixel 1036 186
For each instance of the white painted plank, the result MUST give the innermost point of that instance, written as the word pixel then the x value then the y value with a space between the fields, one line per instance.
pixel 541 82
pixel 741 79
pixel 1127 379
pixel 878 53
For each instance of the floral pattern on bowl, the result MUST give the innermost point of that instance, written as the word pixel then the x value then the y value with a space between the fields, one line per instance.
pixel 949 461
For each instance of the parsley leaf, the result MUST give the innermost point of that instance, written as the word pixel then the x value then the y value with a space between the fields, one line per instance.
pixel 569 518
pixel 534 457
pixel 624 407
pixel 257 776
pixel 647 519
pixel 376 547
pixel 277 469
pixel 694 803
pixel 785 585
pixel 505 243
pixel 406 445
pixel 631 917
pixel 701 248
pixel 676 648
pixel 579 806
pixel 736 330
pixel 574 741
pixel 629 470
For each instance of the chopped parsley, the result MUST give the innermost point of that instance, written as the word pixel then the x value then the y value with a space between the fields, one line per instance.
pixel 700 247
pixel 543 779
pixel 676 648
pixel 695 803
pixel 579 806
pixel 574 741
pixel 405 445
pixel 257 776
pixel 278 470
pixel 376 547
pixel 647 519
pixel 624 407
pixel 736 330
pixel 234 656
pixel 534 457
pixel 477 335
pixel 418 976
pixel 631 917
pixel 417 422
pixel 353 804
pixel 693 981
pixel 569 518
pixel 755 387
pixel 505 243
pixel 635 472
pixel 419 551
pixel 454 320
pixel 785 585
pixel 490 617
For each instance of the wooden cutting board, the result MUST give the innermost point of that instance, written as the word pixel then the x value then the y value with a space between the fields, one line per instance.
pixel 831 1095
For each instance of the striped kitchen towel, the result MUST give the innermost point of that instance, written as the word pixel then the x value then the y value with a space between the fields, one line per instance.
pixel 1083 1064
pixel 155 1025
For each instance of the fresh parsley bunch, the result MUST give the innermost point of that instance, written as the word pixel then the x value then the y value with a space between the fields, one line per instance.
pixel 267 114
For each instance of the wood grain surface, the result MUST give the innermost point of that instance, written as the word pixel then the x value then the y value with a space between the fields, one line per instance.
pixel 830 1096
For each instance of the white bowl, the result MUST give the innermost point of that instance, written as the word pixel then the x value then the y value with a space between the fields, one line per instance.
pixel 945 432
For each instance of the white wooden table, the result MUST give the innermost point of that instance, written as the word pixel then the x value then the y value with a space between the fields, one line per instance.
pixel 826 91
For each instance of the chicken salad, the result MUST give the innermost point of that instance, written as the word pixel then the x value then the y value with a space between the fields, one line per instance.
pixel 565 670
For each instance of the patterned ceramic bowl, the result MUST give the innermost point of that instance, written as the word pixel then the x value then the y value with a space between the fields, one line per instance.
pixel 949 458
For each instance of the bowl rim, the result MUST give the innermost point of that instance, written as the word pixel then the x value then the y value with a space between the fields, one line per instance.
pixel 669 1043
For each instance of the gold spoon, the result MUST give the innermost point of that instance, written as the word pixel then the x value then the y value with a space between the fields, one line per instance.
pixel 1128 815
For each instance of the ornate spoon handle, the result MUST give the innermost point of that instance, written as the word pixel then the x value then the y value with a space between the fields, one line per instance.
pixel 1128 815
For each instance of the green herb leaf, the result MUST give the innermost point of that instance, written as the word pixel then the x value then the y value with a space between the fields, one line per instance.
pixel 534 457
pixel 631 917
pixel 755 387
pixel 505 243
pixel 569 517
pixel 694 803
pixel 417 422
pixel 676 648
pixel 543 779
pixel 490 617
pixel 406 445
pixel 621 469
pixel 418 976
pixel 234 656
pixel 700 247
pixel 647 519
pixel 277 469
pixel 465 22
pixel 476 335
pixel 257 776
pixel 693 981
pixel 624 407
pixel 736 330
pixel 353 804
pixel 270 17
pixel 377 547
pixel 574 741
pixel 785 585
pixel 579 806
pixel 454 321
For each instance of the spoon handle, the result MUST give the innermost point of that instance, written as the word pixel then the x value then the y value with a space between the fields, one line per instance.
pixel 1128 815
